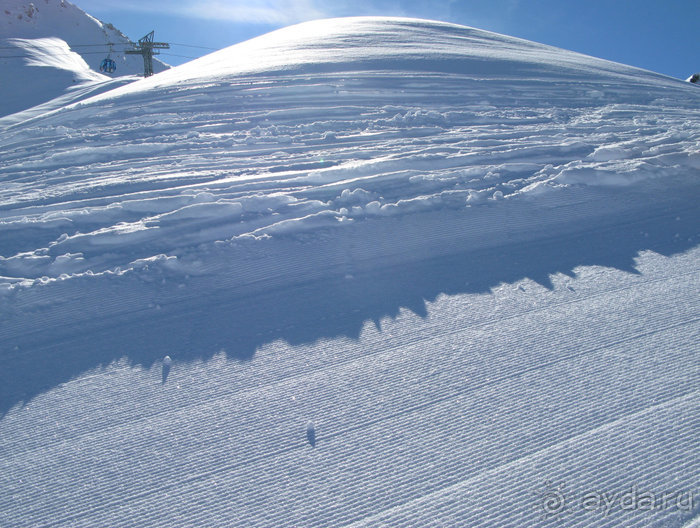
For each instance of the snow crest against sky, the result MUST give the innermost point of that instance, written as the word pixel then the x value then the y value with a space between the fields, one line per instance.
pixel 657 36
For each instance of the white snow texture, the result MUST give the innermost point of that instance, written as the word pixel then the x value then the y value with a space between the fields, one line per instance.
pixel 466 265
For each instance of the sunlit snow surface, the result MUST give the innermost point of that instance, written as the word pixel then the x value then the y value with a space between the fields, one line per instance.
pixel 378 271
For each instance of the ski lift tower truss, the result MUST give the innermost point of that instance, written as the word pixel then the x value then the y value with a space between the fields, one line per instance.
pixel 147 48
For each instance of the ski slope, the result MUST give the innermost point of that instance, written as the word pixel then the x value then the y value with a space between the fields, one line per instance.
pixel 355 272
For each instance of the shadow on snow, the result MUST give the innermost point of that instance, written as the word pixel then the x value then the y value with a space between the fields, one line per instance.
pixel 332 307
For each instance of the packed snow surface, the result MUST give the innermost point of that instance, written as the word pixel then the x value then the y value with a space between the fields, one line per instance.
pixel 366 271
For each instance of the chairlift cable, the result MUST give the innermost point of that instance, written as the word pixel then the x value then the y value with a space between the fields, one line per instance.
pixel 107 44
pixel 181 56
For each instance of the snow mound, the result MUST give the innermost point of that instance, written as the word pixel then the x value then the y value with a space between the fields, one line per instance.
pixel 359 119
pixel 394 44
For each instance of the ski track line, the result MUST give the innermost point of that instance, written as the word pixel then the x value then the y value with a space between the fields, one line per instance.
pixel 204 475
pixel 516 375
pixel 477 324
pixel 348 430
pixel 172 416
pixel 529 460
pixel 369 505
pixel 524 511
pixel 693 523
pixel 677 460
pixel 374 507
pixel 378 351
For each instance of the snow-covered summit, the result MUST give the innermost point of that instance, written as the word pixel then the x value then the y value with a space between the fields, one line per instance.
pixel 396 45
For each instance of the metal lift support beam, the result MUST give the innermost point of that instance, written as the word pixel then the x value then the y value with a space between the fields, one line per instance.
pixel 146 48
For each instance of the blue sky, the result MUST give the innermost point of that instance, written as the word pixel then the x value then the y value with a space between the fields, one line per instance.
pixel 658 35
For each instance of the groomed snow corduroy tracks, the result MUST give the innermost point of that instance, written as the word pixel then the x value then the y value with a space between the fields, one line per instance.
pixel 469 260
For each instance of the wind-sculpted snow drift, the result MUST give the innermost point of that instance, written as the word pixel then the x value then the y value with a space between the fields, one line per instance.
pixel 437 245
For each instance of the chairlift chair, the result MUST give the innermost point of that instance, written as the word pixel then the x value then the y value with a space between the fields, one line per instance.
pixel 108 65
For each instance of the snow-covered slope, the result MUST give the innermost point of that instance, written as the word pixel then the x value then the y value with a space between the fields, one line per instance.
pixel 406 273
pixel 49 46
pixel 48 69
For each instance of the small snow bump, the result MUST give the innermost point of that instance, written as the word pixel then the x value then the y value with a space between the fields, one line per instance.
pixel 167 363
pixel 609 153
pixel 475 197
pixel 356 196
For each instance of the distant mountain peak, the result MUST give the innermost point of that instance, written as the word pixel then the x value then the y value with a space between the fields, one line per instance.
pixel 27 76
